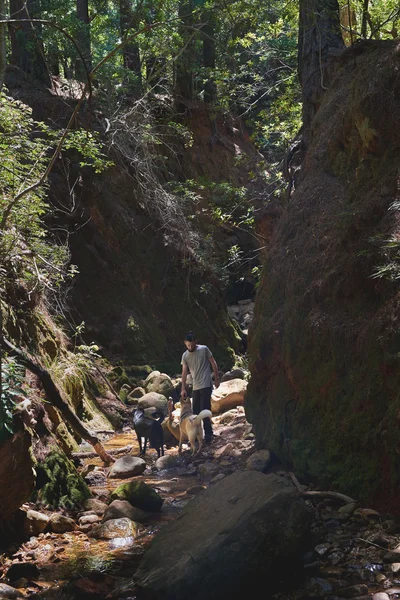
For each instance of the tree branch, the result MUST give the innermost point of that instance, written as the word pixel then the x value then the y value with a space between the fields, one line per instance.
pixel 55 397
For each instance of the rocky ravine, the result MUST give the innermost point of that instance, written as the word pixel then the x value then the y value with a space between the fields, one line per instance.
pixel 353 552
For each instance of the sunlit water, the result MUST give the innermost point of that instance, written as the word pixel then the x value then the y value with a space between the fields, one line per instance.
pixel 73 556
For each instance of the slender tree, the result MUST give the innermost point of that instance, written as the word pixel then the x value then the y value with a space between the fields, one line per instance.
pixel 27 51
pixel 129 21
pixel 319 38
pixel 3 50
pixel 209 54
pixel 184 64
pixel 364 20
pixel 82 13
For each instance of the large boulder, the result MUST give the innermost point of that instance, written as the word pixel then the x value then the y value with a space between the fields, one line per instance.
pixel 127 466
pixel 119 509
pixel 60 523
pixel 259 461
pixel 234 374
pixel 228 395
pixel 243 532
pixel 168 461
pixel 95 505
pixel 115 528
pixel 150 377
pixel 35 522
pixel 160 383
pixel 153 399
pixel 139 494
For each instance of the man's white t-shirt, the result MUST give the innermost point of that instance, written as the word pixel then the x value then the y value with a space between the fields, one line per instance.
pixel 199 366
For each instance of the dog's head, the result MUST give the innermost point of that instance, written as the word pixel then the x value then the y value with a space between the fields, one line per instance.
pixel 138 413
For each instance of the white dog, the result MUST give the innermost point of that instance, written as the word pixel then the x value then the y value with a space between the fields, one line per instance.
pixel 191 426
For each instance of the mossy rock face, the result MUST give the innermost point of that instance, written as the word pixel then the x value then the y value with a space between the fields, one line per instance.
pixel 139 494
pixel 139 371
pixel 66 440
pixel 119 376
pixel 61 484
pixel 324 345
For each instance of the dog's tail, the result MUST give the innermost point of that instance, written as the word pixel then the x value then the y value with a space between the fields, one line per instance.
pixel 158 416
pixel 203 415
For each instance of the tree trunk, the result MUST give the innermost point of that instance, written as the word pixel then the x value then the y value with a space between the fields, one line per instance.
pixel 55 397
pixel 184 64
pixel 131 52
pixel 83 38
pixel 348 20
pixel 3 53
pixel 27 51
pixel 209 56
pixel 364 20
pixel 319 39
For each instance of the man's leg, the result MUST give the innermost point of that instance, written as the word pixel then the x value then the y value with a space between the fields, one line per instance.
pixel 196 401
pixel 205 404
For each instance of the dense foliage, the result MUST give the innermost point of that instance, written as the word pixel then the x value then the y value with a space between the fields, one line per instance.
pixel 11 394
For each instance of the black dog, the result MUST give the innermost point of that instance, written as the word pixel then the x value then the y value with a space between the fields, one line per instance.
pixel 150 429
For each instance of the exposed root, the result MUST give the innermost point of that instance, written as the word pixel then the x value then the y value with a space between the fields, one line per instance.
pixel 321 494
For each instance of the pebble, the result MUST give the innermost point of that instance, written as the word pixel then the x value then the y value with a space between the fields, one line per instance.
pixel 89 519
pixel 335 558
pixel 317 587
pixel 395 567
pixel 322 549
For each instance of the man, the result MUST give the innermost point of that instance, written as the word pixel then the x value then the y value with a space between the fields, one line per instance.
pixel 197 359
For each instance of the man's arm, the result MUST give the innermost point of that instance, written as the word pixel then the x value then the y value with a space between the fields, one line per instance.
pixel 184 375
pixel 215 369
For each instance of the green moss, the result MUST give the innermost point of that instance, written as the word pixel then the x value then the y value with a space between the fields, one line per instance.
pixel 139 494
pixel 58 482
pixel 66 440
pixel 138 371
pixel 119 376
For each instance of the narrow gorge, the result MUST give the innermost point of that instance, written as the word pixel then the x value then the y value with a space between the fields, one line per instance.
pixel 225 169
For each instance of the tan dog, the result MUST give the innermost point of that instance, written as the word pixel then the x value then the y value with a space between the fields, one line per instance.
pixel 191 426
pixel 170 424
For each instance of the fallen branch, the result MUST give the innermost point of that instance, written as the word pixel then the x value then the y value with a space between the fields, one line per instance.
pixel 372 544
pixel 322 494
pixel 55 397
pixel 105 431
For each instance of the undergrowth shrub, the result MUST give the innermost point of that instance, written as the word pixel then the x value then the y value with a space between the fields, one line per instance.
pixel 12 378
